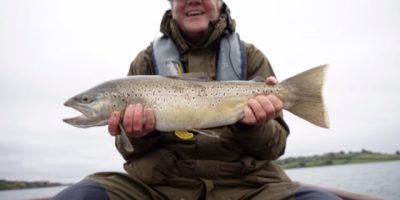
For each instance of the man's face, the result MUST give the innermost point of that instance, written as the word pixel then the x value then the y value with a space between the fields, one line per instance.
pixel 193 16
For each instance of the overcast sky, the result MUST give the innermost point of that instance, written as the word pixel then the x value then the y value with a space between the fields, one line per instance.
pixel 52 49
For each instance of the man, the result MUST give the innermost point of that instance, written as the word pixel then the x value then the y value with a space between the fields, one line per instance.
pixel 199 36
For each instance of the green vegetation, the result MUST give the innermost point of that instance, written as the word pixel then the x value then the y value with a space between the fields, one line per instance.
pixel 10 185
pixel 339 158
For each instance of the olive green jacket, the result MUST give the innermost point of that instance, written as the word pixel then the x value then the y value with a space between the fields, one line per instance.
pixel 242 155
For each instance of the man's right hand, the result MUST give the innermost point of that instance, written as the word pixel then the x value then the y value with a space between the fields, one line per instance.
pixel 133 121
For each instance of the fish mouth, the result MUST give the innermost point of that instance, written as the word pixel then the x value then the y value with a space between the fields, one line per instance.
pixel 88 118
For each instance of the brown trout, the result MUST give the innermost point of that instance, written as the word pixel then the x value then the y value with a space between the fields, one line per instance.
pixel 182 104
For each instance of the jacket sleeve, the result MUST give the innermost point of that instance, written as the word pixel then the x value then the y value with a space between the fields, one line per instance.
pixel 266 141
pixel 141 65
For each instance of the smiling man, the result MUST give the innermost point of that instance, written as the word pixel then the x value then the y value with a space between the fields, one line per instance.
pixel 193 18
pixel 199 36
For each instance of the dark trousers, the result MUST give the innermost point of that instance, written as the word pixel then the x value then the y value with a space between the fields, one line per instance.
pixel 83 190
pixel 90 190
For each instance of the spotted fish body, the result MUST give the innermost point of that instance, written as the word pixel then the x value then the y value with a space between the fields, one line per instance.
pixel 185 105
pixel 181 104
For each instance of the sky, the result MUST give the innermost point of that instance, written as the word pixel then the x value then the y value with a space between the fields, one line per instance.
pixel 51 50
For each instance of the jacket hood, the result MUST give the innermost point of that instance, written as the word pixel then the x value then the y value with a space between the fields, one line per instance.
pixel 223 26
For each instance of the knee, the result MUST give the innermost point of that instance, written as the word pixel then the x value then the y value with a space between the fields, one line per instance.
pixel 309 193
pixel 83 190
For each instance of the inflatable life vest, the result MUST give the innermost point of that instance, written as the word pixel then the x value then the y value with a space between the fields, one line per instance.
pixel 231 58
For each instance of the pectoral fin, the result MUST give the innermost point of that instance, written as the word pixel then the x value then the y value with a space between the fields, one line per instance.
pixel 126 143
pixel 208 133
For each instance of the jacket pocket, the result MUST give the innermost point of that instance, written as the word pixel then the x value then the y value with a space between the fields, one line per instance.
pixel 153 168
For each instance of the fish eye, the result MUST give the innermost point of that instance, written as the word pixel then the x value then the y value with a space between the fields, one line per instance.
pixel 86 99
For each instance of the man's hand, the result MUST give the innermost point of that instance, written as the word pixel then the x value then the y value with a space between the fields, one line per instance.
pixel 133 121
pixel 262 108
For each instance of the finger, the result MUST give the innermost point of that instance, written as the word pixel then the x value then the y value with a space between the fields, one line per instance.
pixel 267 107
pixel 138 118
pixel 128 119
pixel 113 123
pixel 249 117
pixel 271 80
pixel 278 104
pixel 150 120
pixel 257 109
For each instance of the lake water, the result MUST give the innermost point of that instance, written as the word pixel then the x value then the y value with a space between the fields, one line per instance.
pixel 380 180
pixel 26 194
pixel 376 179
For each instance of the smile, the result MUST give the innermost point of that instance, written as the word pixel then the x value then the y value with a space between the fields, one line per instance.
pixel 194 13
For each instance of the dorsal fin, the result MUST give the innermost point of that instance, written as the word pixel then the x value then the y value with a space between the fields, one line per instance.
pixel 195 76
pixel 258 79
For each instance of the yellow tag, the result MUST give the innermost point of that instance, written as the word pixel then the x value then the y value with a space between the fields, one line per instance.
pixel 184 135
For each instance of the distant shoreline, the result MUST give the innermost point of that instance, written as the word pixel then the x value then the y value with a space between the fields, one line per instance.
pixel 16 185
pixel 328 159
pixel 339 158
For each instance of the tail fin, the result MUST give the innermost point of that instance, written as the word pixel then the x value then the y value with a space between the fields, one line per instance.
pixel 304 96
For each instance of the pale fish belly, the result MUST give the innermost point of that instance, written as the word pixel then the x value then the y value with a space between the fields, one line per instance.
pixel 198 113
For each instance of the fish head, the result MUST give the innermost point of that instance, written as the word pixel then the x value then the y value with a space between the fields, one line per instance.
pixel 96 108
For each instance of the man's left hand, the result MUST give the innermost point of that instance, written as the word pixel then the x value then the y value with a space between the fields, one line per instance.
pixel 262 108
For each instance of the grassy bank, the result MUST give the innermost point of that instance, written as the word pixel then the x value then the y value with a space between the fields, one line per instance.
pixel 338 158
pixel 10 185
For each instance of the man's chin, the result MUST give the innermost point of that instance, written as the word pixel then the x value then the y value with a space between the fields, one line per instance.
pixel 194 29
